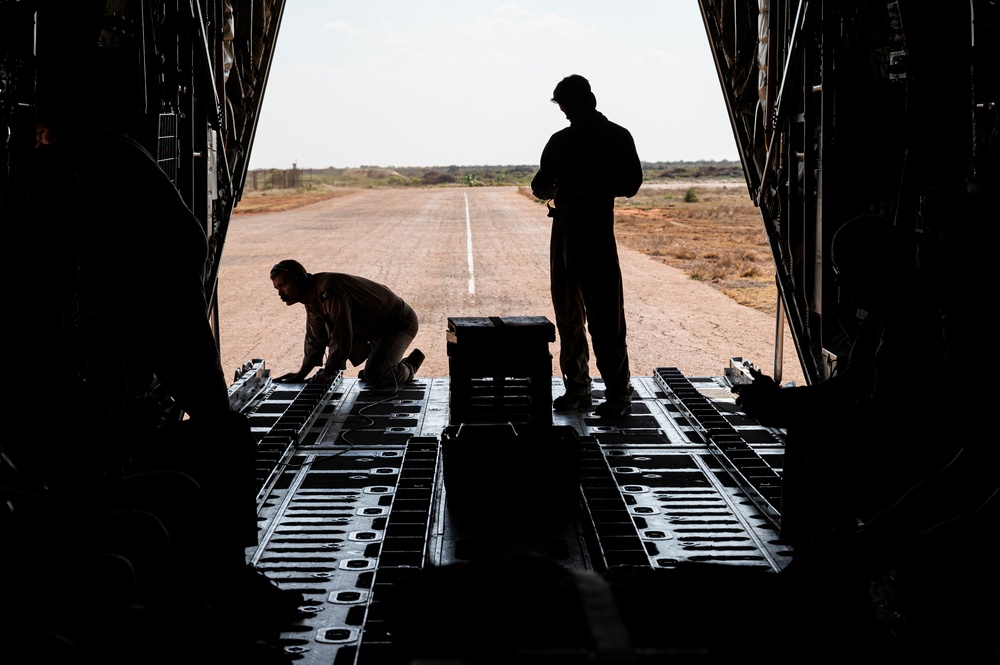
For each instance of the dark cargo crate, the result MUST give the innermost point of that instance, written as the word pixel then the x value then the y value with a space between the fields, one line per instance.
pixel 500 370
pixel 503 472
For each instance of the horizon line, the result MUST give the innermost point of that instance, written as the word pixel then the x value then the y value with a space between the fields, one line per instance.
pixel 449 166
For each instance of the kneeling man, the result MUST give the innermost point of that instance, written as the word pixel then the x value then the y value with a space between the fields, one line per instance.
pixel 349 318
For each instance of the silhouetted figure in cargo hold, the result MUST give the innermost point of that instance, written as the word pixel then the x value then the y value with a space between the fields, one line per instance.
pixel 122 273
pixel 349 318
pixel 582 169
pixel 864 401
pixel 878 469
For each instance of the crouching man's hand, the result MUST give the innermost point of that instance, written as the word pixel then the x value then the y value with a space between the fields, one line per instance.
pixel 291 377
pixel 324 375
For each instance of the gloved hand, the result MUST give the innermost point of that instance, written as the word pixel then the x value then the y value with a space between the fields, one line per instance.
pixel 760 399
pixel 291 377
pixel 323 375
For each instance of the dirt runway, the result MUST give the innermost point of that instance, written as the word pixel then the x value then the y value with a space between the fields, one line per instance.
pixel 451 252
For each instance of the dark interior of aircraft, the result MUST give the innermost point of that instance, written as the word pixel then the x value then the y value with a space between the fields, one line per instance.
pixel 156 511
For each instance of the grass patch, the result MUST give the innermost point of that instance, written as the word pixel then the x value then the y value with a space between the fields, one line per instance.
pixel 277 200
pixel 715 235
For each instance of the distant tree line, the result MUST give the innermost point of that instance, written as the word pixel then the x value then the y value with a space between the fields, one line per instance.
pixel 470 176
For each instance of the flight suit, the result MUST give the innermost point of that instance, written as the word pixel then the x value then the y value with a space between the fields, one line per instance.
pixel 582 169
pixel 354 318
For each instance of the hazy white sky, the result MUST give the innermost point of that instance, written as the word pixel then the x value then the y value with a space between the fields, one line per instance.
pixel 442 82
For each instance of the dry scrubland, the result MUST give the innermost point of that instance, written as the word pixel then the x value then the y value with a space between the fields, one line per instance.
pixel 710 230
pixel 712 233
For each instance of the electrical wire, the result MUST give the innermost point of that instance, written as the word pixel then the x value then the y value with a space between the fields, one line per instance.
pixel 345 431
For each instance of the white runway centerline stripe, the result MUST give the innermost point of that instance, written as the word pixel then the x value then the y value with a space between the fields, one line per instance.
pixel 468 242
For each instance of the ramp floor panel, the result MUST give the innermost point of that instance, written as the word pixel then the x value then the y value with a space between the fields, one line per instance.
pixel 357 499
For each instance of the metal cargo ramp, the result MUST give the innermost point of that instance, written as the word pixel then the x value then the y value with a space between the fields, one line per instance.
pixel 355 504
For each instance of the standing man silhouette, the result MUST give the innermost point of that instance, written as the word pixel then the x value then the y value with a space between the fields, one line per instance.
pixel 582 169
